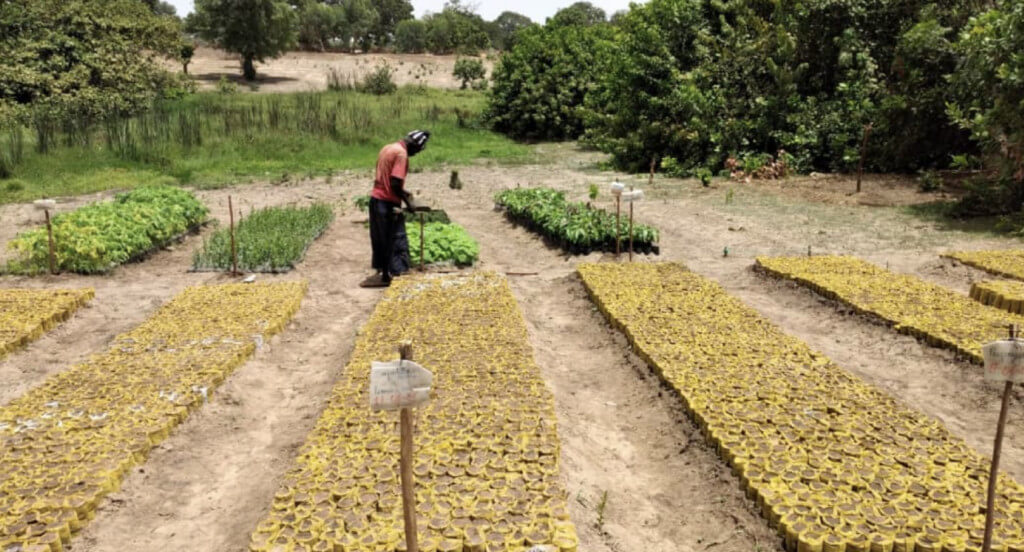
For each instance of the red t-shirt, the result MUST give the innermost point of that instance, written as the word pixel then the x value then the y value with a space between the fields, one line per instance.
pixel 393 161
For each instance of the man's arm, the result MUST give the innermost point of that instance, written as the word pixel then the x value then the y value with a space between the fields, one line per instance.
pixel 398 188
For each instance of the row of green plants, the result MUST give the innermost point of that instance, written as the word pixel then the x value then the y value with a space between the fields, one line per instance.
pixel 693 84
pixel 273 239
pixel 574 226
pixel 98 237
pixel 442 243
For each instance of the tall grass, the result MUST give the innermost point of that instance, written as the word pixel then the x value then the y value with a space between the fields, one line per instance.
pixel 213 139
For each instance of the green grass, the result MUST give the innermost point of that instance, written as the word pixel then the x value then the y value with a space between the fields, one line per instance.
pixel 268 240
pixel 212 140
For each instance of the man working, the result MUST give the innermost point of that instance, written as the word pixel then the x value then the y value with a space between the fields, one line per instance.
pixel 387 223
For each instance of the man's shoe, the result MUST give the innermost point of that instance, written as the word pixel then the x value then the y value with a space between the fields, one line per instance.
pixel 375 281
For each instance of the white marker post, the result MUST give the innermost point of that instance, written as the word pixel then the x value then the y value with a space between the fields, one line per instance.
pixel 45 205
pixel 1004 361
pixel 632 197
pixel 402 385
pixel 617 188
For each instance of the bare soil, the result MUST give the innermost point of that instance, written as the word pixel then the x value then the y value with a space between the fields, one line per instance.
pixel 307 71
pixel 625 441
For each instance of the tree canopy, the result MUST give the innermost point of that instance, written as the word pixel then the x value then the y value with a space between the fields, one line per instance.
pixel 81 58
pixel 254 29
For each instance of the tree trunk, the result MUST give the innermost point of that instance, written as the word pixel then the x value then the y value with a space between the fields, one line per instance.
pixel 248 68
pixel 184 66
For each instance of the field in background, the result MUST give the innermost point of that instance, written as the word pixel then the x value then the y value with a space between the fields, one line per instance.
pixel 215 139
pixel 307 71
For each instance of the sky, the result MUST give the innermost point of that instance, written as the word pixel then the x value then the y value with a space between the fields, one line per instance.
pixel 538 10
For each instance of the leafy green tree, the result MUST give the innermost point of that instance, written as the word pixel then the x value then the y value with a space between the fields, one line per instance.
pixel 505 27
pixel 390 14
pixel 254 29
pixel 411 36
pixel 361 18
pixel 319 24
pixel 580 13
pixel 161 8
pixel 647 103
pixel 80 59
pixel 469 70
pixel 540 84
pixel 456 29
pixel 185 54
pixel 989 88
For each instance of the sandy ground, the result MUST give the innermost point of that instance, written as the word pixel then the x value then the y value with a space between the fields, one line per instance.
pixel 624 437
pixel 306 71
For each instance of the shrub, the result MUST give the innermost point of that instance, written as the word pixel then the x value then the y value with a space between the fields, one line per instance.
pixel 411 36
pixel 469 71
pixel 380 81
pixel 540 84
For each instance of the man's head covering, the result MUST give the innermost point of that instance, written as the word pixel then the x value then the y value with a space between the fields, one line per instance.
pixel 417 141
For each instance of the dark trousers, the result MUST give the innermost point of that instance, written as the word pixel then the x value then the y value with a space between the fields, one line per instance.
pixel 388 239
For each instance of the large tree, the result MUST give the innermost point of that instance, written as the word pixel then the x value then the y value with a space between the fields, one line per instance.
pixel 81 58
pixel 505 27
pixel 389 14
pixel 458 28
pixel 579 14
pixel 254 29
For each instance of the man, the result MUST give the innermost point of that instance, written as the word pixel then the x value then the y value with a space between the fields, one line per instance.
pixel 387 223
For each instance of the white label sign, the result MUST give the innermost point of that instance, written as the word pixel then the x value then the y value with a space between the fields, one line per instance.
pixel 617 188
pixel 398 384
pixel 45 204
pixel 635 195
pixel 1004 361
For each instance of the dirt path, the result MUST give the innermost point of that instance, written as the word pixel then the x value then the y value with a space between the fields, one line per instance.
pixel 615 419
pixel 206 486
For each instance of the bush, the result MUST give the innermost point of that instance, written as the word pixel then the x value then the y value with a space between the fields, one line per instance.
pixel 379 81
pixel 101 236
pixel 989 86
pixel 540 84
pixel 469 71
pixel 442 243
pixel 411 37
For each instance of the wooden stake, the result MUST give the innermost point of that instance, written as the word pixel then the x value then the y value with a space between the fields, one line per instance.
pixel 234 251
pixel 654 163
pixel 993 474
pixel 618 226
pixel 421 240
pixel 630 231
pixel 49 231
pixel 408 496
pixel 863 152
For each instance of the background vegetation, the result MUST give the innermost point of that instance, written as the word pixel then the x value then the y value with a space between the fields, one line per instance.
pixel 213 139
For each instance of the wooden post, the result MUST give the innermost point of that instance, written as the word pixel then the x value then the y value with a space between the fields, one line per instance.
pixel 654 163
pixel 408 496
pixel 630 231
pixel 234 251
pixel 421 240
pixel 618 225
pixel 863 152
pixel 993 474
pixel 49 231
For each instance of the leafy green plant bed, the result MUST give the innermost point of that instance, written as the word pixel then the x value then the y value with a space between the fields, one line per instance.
pixel 442 243
pixel 101 236
pixel 576 227
pixel 268 240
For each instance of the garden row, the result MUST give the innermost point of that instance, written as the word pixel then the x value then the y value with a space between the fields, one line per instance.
pixel 487 451
pixel 1002 294
pixel 1008 263
pixel 833 463
pixel 941 317
pixel 26 314
pixel 70 441
pixel 575 227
